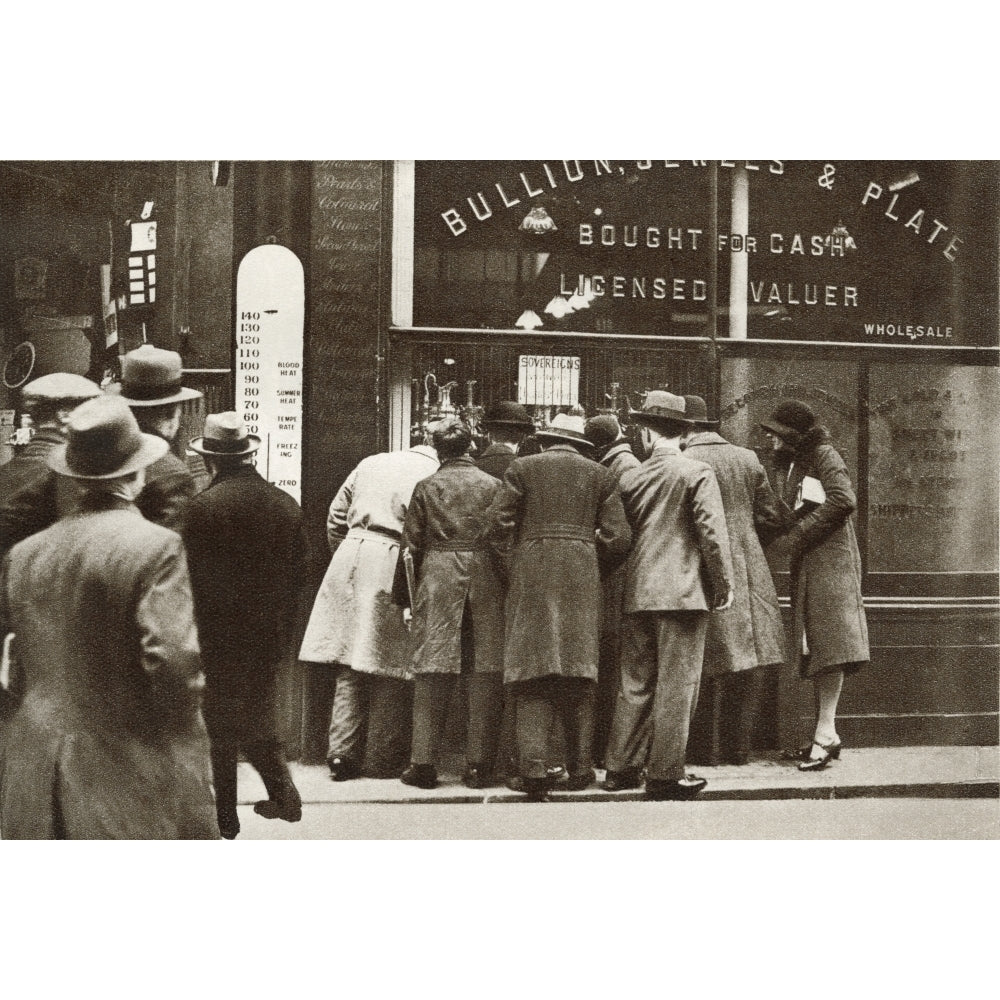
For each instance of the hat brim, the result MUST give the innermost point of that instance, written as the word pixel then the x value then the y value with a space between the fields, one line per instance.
pixel 181 395
pixel 658 419
pixel 519 424
pixel 151 450
pixel 783 431
pixel 562 436
pixel 198 444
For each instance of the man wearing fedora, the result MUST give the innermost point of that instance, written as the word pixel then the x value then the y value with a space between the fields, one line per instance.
pixel 614 452
pixel 750 634
pixel 506 424
pixel 679 568
pixel 107 739
pixel 560 517
pixel 151 385
pixel 31 495
pixel 246 554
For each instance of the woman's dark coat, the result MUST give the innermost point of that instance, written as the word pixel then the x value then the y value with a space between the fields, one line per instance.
pixel 825 563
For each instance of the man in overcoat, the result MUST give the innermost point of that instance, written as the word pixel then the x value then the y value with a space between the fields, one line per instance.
pixel 31 495
pixel 678 569
pixel 246 553
pixel 107 739
pixel 560 515
pixel 458 617
pixel 750 633
pixel 612 450
pixel 354 626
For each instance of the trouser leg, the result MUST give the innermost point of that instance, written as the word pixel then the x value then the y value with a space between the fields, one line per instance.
pixel 431 697
pixel 605 695
pixel 628 744
pixel 319 682
pixel 680 650
pixel 268 759
pixel 348 715
pixel 535 713
pixel 223 751
pixel 390 726
pixel 485 708
pixel 576 709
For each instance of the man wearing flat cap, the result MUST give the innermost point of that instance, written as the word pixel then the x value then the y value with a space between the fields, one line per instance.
pixel 31 496
pixel 151 385
pixel 107 739
pixel 560 517
pixel 506 424
pixel 679 568
pixel 750 634
pixel 246 553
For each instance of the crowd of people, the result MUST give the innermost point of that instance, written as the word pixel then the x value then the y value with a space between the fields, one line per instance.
pixel 581 594
pixel 575 593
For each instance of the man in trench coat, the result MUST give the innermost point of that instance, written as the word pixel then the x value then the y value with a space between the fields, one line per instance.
pixel 750 634
pixel 678 569
pixel 560 515
pixel 355 628
pixel 106 740
pixel 458 617
pixel 246 552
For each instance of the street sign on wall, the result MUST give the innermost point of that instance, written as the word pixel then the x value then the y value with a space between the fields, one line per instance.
pixel 270 312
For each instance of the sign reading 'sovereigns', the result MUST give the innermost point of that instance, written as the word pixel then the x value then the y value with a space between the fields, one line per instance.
pixel 854 251
pixel 544 380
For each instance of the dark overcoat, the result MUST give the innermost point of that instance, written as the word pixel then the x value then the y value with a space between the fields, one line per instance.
pixel 495 459
pixel 169 487
pixel 246 553
pixel 457 573
pixel 107 739
pixel 618 459
pixel 751 632
pixel 828 609
pixel 561 515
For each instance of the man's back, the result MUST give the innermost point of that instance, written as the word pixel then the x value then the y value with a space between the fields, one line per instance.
pixel 675 509
pixel 246 552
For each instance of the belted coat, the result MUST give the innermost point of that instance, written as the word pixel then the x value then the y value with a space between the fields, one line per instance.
pixel 827 606
pixel 106 739
pixel 353 620
pixel 560 517
pixel 750 633
pixel 456 572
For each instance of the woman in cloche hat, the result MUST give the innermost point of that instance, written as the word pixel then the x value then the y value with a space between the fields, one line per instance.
pixel 830 628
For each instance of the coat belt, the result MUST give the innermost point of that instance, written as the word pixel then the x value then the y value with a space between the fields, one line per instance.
pixel 374 530
pixel 570 531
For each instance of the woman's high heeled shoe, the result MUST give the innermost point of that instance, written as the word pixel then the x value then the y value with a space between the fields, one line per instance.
pixel 804 753
pixel 819 763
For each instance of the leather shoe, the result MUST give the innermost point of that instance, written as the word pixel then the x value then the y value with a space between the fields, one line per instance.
pixel 290 812
pixel 580 780
pixel 477 777
pixel 420 776
pixel 342 768
pixel 672 791
pixel 618 781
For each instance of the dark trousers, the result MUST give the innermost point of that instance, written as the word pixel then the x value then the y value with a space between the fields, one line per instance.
pixel 539 703
pixel 265 755
pixel 726 720
pixel 432 694
pixel 661 661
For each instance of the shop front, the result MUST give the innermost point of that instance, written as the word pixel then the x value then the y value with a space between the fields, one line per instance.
pixel 867 289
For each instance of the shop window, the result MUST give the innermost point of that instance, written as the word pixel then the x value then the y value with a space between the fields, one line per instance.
pixel 934 491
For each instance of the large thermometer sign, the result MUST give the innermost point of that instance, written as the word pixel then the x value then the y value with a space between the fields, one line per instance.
pixel 270 312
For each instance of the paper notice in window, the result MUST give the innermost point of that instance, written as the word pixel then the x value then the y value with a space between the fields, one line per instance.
pixel 143 236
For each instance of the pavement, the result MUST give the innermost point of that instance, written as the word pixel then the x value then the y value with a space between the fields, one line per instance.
pixel 877 772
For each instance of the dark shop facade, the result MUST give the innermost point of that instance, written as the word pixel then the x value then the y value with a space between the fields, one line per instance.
pixel 342 304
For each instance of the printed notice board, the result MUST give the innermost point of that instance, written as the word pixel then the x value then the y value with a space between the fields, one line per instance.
pixel 270 312
pixel 544 380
